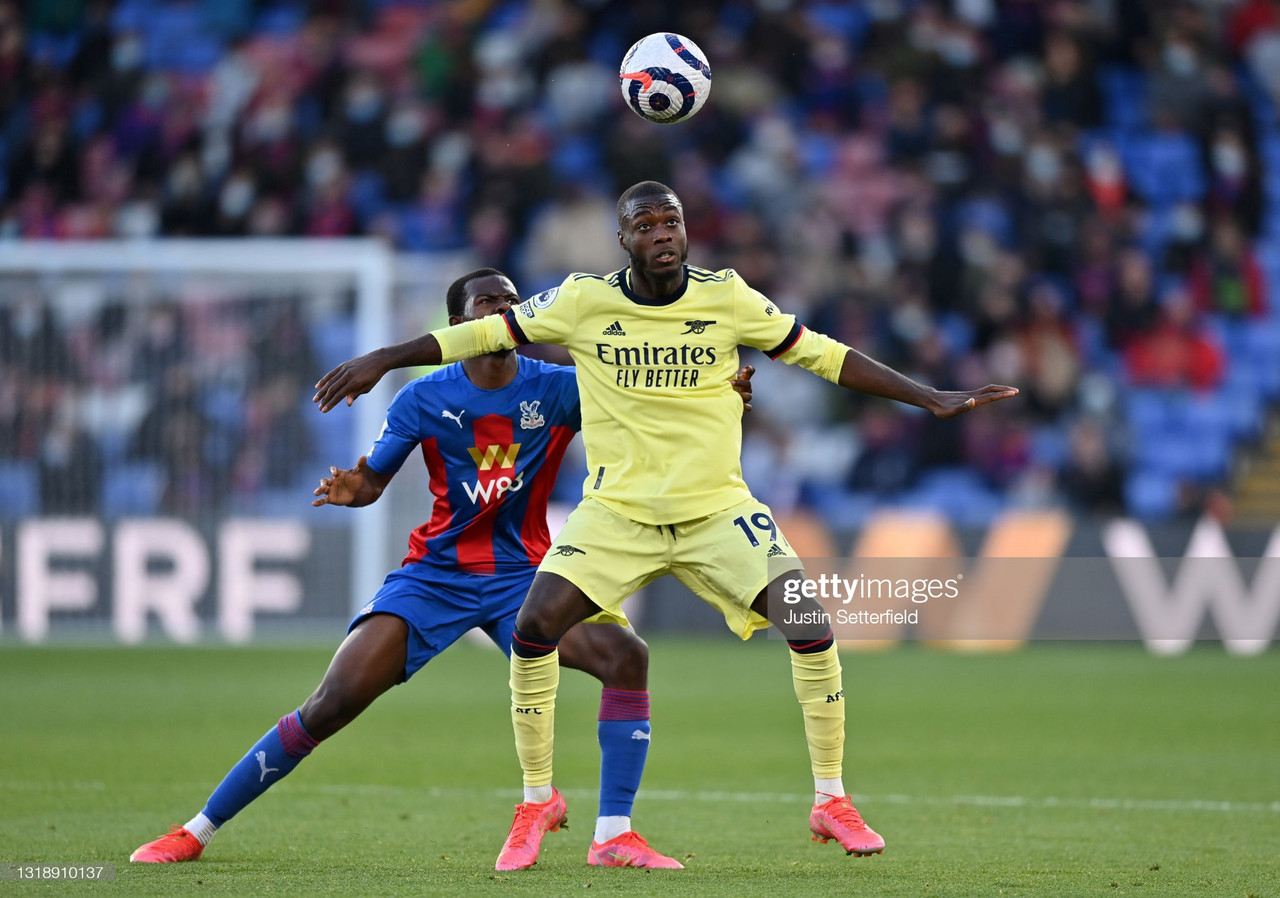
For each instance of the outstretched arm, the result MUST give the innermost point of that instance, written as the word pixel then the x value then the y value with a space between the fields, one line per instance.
pixel 353 487
pixel 866 375
pixel 360 375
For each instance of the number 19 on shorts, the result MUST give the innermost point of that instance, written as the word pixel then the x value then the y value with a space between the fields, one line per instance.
pixel 759 521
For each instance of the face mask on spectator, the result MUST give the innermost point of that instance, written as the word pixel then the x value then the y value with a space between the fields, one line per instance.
pixel 1187 224
pixel 1043 165
pixel 363 104
pixel 215 155
pixel 184 179
pixel 126 54
pixel 26 320
pixel 1180 58
pixel 1228 160
pixel 1006 137
pixel 405 127
pixel 236 197
pixel 270 124
pixel 155 93
pixel 958 50
pixel 323 167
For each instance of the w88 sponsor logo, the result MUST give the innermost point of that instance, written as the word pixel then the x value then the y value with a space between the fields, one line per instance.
pixel 491 490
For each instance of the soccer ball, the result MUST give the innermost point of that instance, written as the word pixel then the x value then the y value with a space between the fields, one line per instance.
pixel 665 78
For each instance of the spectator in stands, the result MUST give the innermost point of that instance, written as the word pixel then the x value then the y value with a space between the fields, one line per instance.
pixel 174 432
pixel 1071 90
pixel 70 466
pixel 1177 351
pixel 885 128
pixel 1227 278
pixel 1090 478
pixel 1050 353
pixel 886 463
pixel 1132 308
pixel 1235 178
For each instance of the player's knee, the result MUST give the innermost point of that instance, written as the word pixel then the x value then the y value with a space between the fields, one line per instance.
pixel 625 663
pixel 534 622
pixel 631 664
pixel 331 707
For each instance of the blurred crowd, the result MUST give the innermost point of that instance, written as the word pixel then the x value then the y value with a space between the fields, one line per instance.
pixel 186 408
pixel 1067 195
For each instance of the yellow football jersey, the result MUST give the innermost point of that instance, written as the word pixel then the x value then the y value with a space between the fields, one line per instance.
pixel 661 425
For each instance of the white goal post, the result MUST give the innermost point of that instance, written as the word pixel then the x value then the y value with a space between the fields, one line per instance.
pixel 364 267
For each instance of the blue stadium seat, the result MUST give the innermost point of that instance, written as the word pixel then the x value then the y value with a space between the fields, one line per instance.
pixel 133 489
pixel 333 340
pixel 1230 331
pixel 280 19
pixel 1050 445
pixel 577 161
pixel 1179 451
pixel 1124 93
pixel 956 331
pixel 368 196
pixel 1091 334
pixel 1165 168
pixel 818 154
pixel 21 480
pixel 1269 150
pixel 1148 410
pixel 133 15
pixel 1205 413
pixel 843 510
pixel 1150 495
pixel 1262 352
pixel 958 493
pixel 113 445
pixel 176 39
pixel 55 50
pixel 1267 251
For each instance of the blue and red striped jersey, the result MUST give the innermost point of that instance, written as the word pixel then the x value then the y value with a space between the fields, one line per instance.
pixel 492 456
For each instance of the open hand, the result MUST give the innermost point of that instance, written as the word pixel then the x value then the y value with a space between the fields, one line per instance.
pixel 949 403
pixel 350 379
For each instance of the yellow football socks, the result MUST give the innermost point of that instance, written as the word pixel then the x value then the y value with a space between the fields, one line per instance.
pixel 533 705
pixel 818 687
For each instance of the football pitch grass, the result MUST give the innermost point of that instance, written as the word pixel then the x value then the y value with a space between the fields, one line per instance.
pixel 1058 770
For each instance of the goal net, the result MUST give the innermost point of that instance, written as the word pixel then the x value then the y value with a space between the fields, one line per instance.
pixel 158 443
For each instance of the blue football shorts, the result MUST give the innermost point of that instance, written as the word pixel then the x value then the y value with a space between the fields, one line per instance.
pixel 439 605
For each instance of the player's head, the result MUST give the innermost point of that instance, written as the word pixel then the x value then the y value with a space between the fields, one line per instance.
pixel 651 227
pixel 485 291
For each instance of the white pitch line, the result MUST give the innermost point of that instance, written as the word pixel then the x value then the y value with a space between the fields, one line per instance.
pixel 1170 805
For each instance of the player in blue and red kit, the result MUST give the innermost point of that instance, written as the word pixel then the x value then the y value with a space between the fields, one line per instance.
pixel 493 431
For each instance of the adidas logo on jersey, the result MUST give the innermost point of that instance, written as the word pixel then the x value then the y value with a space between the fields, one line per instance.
pixel 775 550
pixel 614 330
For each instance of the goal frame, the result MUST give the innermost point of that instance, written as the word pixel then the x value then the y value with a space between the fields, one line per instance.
pixel 368 262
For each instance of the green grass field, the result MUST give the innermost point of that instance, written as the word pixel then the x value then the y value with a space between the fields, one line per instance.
pixel 1059 770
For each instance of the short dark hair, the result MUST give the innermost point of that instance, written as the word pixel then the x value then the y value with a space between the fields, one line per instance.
pixel 455 300
pixel 643 190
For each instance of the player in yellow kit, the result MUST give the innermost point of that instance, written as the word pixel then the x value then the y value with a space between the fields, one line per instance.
pixel 655 346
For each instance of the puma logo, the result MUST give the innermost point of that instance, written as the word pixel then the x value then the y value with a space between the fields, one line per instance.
pixel 262 762
pixel 452 417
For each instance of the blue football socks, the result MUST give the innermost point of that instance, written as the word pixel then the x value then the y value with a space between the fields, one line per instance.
pixel 623 732
pixel 272 758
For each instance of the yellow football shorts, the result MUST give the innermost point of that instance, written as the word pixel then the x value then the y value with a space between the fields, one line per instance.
pixel 724 558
